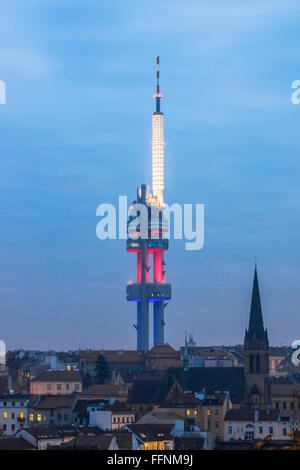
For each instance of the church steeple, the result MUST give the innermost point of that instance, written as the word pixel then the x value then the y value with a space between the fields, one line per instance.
pixel 186 361
pixel 256 331
pixel 256 350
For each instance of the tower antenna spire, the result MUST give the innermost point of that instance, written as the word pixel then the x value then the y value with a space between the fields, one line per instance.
pixel 158 95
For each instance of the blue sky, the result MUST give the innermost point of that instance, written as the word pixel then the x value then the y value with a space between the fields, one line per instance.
pixel 76 132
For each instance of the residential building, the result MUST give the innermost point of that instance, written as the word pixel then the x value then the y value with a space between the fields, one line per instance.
pixel 43 436
pixel 107 414
pixel 52 409
pixel 56 382
pixel 152 436
pixel 249 424
pixel 13 413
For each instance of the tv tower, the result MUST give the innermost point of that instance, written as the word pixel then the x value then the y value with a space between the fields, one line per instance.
pixel 148 291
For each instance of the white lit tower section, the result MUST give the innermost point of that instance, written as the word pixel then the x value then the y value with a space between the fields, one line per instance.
pixel 158 186
pixel 146 291
pixel 158 164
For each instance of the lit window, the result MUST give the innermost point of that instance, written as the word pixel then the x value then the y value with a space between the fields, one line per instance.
pixel 188 412
pixel 195 412
pixel 22 415
pixel 31 417
pixel 39 417
pixel 208 412
pixel 4 415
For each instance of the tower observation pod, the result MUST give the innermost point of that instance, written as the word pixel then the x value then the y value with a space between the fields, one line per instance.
pixel 146 227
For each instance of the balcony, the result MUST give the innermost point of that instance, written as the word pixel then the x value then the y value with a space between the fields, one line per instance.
pixel 155 292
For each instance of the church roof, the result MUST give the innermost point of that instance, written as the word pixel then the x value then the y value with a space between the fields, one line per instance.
pixel 195 379
pixel 256 324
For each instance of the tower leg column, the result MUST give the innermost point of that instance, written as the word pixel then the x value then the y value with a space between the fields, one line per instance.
pixel 158 306
pixel 158 327
pixel 144 304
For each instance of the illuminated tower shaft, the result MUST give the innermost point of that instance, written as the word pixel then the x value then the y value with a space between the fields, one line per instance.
pixel 158 186
pixel 158 164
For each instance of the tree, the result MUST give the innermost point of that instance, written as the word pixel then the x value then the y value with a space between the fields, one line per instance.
pixel 87 381
pixel 101 369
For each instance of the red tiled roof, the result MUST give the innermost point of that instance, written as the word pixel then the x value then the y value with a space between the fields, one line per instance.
pixel 58 376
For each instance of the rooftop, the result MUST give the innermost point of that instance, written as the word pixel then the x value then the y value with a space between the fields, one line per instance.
pixel 58 376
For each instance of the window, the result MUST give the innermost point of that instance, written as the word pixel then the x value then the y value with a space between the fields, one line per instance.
pixel 67 386
pixel 260 430
pixel 5 403
pixel 216 411
pixel 12 427
pixel 271 430
pixel 77 387
pixel 4 427
pixel 22 414
pixel 39 417
pixel 195 412
pixel 284 405
pixel 292 405
pixel 4 415
pixel 49 386
pixel 65 417
pixel 31 417
pixel 298 405
pixel 13 403
pixel 277 405
pixel 217 424
pixel 208 412
pixel 58 386
pixel 284 431
pixel 188 412
pixel 230 430
pixel 13 416
pixel 127 419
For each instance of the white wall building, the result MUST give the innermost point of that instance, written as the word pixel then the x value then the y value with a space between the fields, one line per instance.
pixel 13 413
pixel 247 424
